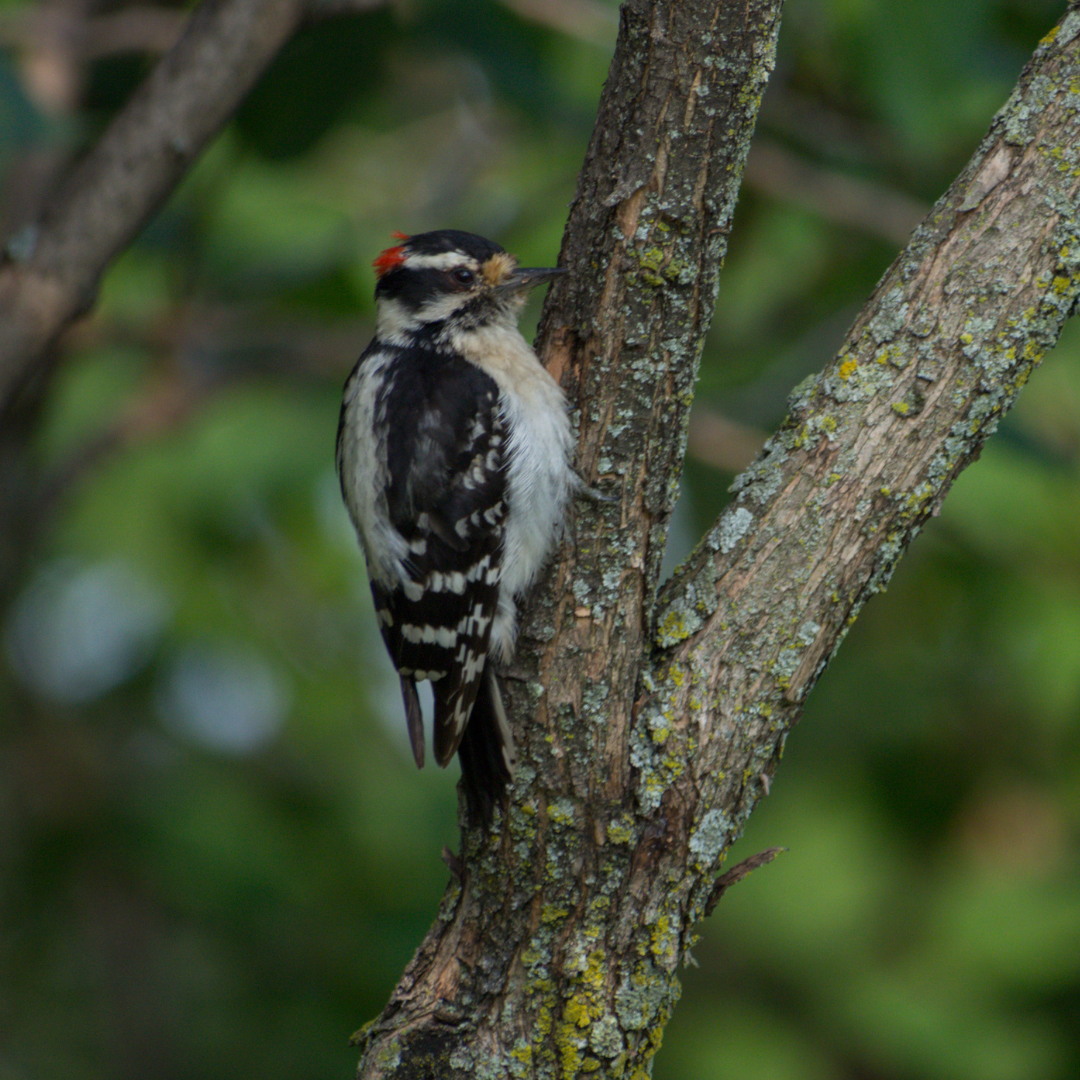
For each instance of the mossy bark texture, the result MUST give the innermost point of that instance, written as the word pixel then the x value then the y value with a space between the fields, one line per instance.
pixel 649 722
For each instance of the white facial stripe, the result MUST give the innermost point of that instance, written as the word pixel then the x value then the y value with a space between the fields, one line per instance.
pixel 446 260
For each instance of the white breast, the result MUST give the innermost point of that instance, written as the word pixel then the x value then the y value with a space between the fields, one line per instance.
pixel 539 479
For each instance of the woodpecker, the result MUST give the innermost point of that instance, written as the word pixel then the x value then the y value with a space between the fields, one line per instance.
pixel 453 451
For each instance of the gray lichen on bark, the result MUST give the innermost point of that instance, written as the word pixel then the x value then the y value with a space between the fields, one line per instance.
pixel 650 722
pixel 872 445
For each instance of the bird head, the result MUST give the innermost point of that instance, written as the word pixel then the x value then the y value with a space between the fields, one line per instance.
pixel 435 280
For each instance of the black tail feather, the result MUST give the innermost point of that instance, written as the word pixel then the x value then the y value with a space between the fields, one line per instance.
pixel 485 757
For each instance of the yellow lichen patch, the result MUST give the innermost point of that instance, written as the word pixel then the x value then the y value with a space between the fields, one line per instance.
pixel 571 1059
pixel 1049 39
pixel 652 259
pixel 388 1057
pixel 665 941
pixel 653 784
pixel 553 914
pixel 847 368
pixel 498 268
pixel 585 1006
pixel 544 1019
pixel 673 628
pixel 577 1012
pixel 674 766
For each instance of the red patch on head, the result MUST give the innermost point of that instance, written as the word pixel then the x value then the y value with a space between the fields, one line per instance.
pixel 400 235
pixel 390 258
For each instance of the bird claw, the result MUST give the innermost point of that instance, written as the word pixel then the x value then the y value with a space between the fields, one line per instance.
pixel 592 494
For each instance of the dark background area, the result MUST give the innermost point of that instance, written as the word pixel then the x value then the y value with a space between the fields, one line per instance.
pixel 216 856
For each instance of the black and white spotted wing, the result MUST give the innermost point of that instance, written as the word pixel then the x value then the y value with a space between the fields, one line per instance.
pixel 446 488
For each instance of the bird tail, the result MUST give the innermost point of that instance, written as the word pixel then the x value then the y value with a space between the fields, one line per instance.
pixel 487 753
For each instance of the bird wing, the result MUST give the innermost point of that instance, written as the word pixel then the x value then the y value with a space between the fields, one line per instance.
pixel 446 495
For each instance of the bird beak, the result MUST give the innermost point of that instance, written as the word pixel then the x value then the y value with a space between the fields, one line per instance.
pixel 529 277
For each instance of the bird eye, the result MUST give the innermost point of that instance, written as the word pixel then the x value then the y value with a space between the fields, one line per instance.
pixel 463 276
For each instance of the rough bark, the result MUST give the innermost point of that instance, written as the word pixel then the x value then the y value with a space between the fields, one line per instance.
pixel 649 723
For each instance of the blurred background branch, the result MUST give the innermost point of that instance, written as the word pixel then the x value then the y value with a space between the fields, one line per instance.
pixel 870 208
pixel 84 37
pixel 51 270
pixel 591 22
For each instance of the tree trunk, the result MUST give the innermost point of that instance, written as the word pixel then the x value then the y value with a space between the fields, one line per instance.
pixel 649 723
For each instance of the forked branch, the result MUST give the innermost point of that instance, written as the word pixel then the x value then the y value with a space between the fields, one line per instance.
pixel 650 723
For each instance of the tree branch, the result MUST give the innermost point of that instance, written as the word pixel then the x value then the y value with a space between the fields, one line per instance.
pixel 50 272
pixel 867 454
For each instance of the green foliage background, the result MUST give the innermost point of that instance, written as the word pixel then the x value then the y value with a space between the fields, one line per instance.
pixel 215 853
